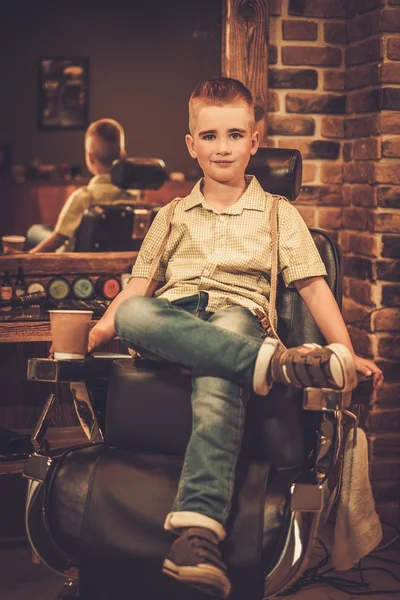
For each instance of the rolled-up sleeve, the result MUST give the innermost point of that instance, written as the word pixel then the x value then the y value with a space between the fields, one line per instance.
pixel 298 255
pixel 149 248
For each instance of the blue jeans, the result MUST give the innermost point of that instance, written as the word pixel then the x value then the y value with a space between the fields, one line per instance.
pixel 221 348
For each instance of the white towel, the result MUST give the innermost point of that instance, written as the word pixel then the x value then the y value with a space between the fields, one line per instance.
pixel 357 529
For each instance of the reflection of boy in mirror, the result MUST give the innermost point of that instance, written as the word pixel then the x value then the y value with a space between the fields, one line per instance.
pixel 104 143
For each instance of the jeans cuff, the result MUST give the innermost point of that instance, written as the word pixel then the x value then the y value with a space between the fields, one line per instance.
pixel 185 518
pixel 260 384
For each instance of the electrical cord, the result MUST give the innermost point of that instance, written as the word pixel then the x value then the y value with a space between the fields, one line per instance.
pixel 318 575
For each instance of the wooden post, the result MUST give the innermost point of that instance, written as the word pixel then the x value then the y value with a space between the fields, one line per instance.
pixel 245 51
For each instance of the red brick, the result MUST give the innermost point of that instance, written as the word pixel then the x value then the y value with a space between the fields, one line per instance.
pixel 386 222
pixel 322 195
pixel 367 51
pixel 359 172
pixel 358 7
pixel 306 79
pixel 318 8
pixel 391 293
pixel 356 77
pixel 388 394
pixel 390 98
pixel 331 173
pixel 309 172
pixel 389 122
pixel 272 54
pixel 359 243
pixel 390 21
pixel 362 126
pixel 384 444
pixel 385 490
pixel 366 149
pixel 390 246
pixel 393 48
pixel 335 33
pixel 273 102
pixel 282 125
pixel 362 342
pixel 361 195
pixel 334 81
pixel 365 101
pixel 307 103
pixel 391 147
pixel 357 314
pixel 363 26
pixel 387 173
pixel 332 127
pixel 389 196
pixel 299 30
pixel 358 267
pixel 388 270
pixel 355 218
pixel 390 369
pixel 385 469
pixel 275 8
pixel 308 214
pixel 390 72
pixel 385 419
pixel 347 151
pixel 361 291
pixel 327 56
pixel 330 218
pixel 388 512
pixel 387 319
pixel 314 149
pixel 389 346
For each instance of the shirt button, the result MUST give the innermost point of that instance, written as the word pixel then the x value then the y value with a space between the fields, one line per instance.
pixel 221 218
pixel 206 272
pixel 219 251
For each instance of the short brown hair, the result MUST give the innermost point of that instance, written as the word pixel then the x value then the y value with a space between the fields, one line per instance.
pixel 218 92
pixel 109 140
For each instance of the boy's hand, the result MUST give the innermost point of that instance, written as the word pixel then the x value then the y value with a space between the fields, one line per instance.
pixel 98 337
pixel 369 369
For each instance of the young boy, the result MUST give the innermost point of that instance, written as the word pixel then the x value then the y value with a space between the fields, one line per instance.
pixel 104 143
pixel 213 275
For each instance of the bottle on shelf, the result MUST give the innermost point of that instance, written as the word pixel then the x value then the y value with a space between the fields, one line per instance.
pixel 20 283
pixel 6 290
pixel 25 300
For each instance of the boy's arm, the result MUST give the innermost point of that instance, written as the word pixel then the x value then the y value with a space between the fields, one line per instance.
pixel 322 305
pixel 104 330
pixel 54 241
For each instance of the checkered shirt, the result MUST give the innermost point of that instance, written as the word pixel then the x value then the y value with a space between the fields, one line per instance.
pixel 228 254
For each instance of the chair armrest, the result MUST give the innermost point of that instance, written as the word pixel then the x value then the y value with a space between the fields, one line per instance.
pixel 50 369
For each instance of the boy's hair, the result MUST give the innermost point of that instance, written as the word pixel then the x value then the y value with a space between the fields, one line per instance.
pixel 108 140
pixel 218 92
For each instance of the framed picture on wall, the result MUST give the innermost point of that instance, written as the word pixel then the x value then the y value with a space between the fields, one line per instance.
pixel 63 93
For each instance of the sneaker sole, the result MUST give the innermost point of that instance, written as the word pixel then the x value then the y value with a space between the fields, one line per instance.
pixel 206 578
pixel 342 367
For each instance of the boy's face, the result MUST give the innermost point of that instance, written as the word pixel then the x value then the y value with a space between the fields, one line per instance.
pixel 223 141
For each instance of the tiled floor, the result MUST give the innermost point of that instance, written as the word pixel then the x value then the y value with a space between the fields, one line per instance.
pixel 20 579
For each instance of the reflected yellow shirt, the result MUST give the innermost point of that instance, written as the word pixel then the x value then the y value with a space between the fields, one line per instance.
pixel 99 190
pixel 228 254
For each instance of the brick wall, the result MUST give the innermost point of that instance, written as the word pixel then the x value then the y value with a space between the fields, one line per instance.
pixel 334 93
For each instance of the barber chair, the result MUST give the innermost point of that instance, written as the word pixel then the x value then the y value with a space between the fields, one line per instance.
pixel 122 227
pixel 99 509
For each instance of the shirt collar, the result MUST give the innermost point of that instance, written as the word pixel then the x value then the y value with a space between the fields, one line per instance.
pixel 100 179
pixel 252 199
